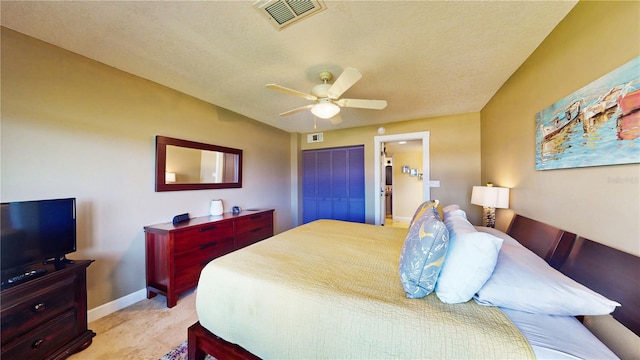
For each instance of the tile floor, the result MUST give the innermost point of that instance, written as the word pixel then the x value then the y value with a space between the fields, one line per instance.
pixel 146 330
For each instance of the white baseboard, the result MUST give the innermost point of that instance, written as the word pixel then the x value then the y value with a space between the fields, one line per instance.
pixel 115 305
pixel 401 218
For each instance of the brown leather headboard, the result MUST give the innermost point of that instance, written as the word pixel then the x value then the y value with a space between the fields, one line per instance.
pixel 548 242
pixel 610 272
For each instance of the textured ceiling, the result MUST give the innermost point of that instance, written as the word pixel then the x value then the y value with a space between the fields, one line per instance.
pixel 426 58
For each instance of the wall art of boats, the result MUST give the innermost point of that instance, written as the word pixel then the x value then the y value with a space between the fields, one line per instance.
pixel 564 120
pixel 628 122
pixel 602 109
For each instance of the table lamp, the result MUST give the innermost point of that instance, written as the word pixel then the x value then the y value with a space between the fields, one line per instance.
pixel 490 197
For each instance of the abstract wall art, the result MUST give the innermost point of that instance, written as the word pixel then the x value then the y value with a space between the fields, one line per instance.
pixel 596 125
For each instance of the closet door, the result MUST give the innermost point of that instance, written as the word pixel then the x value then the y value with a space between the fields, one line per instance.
pixel 356 185
pixel 333 184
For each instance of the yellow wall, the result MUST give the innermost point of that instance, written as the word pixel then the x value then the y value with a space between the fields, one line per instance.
pixel 454 156
pixel 73 127
pixel 600 203
pixel 407 189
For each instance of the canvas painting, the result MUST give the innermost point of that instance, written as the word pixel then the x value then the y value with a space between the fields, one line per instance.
pixel 597 125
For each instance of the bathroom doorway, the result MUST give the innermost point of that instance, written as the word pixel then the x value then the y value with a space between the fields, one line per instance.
pixel 418 172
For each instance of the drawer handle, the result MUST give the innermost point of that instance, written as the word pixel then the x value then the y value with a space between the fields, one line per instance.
pixel 39 307
pixel 256 230
pixel 208 228
pixel 254 217
pixel 37 343
pixel 208 245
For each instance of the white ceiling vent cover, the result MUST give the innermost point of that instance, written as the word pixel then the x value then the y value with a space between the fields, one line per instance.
pixel 282 13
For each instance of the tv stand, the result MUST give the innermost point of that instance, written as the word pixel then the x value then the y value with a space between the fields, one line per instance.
pixel 59 262
pixel 46 318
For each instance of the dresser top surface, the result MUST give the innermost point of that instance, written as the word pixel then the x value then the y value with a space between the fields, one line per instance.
pixel 169 226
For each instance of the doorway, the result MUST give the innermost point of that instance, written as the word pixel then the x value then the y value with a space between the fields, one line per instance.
pixel 380 167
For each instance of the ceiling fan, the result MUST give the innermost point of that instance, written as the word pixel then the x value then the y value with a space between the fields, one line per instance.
pixel 326 97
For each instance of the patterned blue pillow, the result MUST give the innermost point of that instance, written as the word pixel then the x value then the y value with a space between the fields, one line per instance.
pixel 423 254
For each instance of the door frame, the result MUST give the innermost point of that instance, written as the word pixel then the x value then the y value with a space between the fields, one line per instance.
pixel 378 153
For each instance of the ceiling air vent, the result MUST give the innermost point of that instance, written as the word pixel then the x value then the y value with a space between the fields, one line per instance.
pixel 314 138
pixel 282 13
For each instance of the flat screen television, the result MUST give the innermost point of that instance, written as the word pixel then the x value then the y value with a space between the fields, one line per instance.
pixel 36 232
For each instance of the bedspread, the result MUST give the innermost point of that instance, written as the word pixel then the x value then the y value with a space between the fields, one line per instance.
pixel 331 289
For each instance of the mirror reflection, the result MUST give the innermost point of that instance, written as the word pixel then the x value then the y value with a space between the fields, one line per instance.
pixel 188 165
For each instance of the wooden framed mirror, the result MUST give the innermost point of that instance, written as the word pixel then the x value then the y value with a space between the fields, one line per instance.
pixel 190 165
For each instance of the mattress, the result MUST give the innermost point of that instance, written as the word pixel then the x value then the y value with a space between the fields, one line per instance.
pixel 331 289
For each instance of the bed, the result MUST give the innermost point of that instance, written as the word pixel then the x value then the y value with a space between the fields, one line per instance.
pixel 331 289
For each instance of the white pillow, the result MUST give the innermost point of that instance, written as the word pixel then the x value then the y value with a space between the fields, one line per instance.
pixel 507 239
pixel 458 224
pixel 453 211
pixel 470 260
pixel 451 207
pixel 523 281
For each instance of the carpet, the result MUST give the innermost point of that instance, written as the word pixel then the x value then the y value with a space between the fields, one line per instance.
pixel 180 353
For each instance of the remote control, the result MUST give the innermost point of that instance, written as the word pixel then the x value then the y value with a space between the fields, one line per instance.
pixel 32 274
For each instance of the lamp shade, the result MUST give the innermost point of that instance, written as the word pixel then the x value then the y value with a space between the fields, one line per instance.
pixel 490 196
pixel 325 109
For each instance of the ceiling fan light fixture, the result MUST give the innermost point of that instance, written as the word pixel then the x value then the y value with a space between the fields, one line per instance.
pixel 325 109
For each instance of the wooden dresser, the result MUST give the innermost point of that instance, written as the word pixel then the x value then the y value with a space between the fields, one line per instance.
pixel 176 253
pixel 46 318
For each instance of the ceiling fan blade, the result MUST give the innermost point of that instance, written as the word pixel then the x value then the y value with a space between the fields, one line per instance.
pixel 285 90
pixel 297 110
pixel 346 80
pixel 363 104
pixel 336 119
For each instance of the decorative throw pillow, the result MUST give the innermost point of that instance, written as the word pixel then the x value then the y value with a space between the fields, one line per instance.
pixel 470 261
pixel 424 207
pixel 524 281
pixel 422 254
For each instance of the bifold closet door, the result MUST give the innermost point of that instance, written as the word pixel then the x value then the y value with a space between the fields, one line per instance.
pixel 333 184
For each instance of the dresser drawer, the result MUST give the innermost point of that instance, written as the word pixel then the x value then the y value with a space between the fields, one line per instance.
pixel 189 239
pixel 37 307
pixel 203 254
pixel 189 265
pixel 43 340
pixel 252 229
